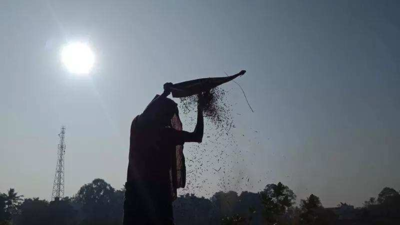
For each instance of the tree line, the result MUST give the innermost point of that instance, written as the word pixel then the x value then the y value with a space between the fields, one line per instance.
pixel 98 203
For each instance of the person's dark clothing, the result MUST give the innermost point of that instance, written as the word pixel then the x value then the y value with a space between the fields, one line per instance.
pixel 151 152
pixel 152 179
pixel 147 203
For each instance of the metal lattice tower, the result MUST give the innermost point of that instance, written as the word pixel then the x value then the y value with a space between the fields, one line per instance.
pixel 58 185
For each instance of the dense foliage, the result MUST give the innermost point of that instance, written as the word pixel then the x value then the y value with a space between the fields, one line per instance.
pixel 98 203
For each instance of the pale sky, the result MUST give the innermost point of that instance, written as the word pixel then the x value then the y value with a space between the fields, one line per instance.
pixel 323 79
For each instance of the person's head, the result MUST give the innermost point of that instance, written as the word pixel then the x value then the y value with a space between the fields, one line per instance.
pixel 160 111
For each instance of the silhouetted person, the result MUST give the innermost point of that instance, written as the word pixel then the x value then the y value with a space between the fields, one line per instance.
pixel 156 164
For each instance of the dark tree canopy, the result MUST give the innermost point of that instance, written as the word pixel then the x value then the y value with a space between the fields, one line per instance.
pixel 189 209
pixel 98 203
pixel 313 213
pixel 386 194
pixel 225 202
pixel 371 201
pixel 62 212
pixel 4 214
pixel 312 202
pixel 34 212
pixel 276 200
pixel 13 201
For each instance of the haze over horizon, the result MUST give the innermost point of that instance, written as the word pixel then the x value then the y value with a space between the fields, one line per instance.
pixel 322 77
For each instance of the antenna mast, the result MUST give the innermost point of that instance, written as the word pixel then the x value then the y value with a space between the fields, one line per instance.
pixel 58 185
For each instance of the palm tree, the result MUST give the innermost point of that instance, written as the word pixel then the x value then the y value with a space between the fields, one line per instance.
pixel 13 200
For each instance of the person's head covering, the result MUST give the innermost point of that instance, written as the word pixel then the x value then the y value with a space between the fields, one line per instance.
pixel 157 109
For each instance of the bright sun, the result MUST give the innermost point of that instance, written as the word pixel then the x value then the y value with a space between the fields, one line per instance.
pixel 78 58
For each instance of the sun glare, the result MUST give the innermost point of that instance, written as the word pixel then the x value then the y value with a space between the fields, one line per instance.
pixel 78 58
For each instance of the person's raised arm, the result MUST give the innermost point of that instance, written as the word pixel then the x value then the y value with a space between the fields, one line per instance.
pixel 199 129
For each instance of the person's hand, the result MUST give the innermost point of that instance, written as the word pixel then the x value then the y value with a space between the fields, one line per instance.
pixel 167 89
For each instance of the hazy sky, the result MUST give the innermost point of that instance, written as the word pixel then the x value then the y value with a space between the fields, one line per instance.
pixel 323 79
